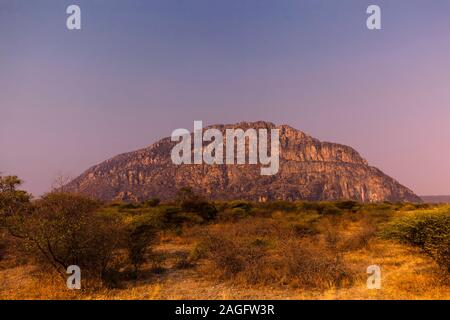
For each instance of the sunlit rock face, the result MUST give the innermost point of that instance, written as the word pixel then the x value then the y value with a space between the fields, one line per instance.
pixel 309 170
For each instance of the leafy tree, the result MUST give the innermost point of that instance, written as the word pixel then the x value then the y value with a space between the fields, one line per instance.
pixel 11 199
pixel 153 202
pixel 186 194
pixel 138 243
pixel 191 202
pixel 65 230
pixel 14 206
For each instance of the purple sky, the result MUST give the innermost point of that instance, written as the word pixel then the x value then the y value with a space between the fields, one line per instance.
pixel 139 69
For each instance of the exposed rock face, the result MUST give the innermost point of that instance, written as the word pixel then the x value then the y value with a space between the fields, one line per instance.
pixel 309 170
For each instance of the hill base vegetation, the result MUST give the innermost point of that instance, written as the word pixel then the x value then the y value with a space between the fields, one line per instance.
pixel 192 248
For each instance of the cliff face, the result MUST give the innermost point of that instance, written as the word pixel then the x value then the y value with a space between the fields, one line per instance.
pixel 309 170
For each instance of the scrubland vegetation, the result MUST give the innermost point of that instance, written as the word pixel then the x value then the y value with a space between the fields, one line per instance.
pixel 192 248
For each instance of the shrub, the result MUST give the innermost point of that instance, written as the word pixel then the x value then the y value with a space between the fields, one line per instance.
pixel 115 204
pixel 186 194
pixel 206 210
pixel 430 231
pixel 153 202
pixel 12 201
pixel 64 229
pixel 359 238
pixel 246 254
pixel 232 215
pixel 2 250
pixel 407 207
pixel 128 206
pixel 260 242
pixel 198 251
pixel 326 208
pixel 384 206
pixel 312 264
pixel 330 210
pixel 183 261
pixel 309 206
pixel 348 205
pixel 190 202
pixel 155 217
pixel 303 229
pixel 244 205
pixel 171 215
pixel 189 218
pixel 139 239
pixel 281 206
pixel 225 254
pixel 239 213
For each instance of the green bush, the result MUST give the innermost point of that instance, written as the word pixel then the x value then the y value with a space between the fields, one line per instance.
pixel 190 218
pixel 330 210
pixel 140 237
pixel 155 217
pixel 153 202
pixel 348 205
pixel 128 206
pixel 430 231
pixel 407 207
pixel 171 215
pixel 383 206
pixel 239 213
pixel 65 229
pixel 326 208
pixel 244 205
pixel 308 206
pixel 281 206
pixel 206 210
pixel 12 201
pixel 191 202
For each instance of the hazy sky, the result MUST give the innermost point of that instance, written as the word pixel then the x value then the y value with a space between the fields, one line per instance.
pixel 139 69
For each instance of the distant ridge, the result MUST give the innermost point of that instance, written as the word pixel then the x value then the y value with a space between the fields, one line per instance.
pixel 436 199
pixel 309 170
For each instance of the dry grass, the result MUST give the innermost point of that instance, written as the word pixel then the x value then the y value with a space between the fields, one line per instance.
pixel 280 256
pixel 406 274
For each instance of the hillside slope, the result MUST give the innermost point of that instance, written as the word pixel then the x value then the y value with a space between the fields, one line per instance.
pixel 309 170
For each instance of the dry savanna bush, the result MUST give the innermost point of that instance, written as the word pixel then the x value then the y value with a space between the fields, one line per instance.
pixel 311 245
pixel 60 230
pixel 268 251
pixel 428 230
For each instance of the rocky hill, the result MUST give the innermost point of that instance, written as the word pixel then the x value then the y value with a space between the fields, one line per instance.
pixel 309 170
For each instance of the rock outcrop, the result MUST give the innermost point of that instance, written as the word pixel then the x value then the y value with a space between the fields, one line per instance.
pixel 309 170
